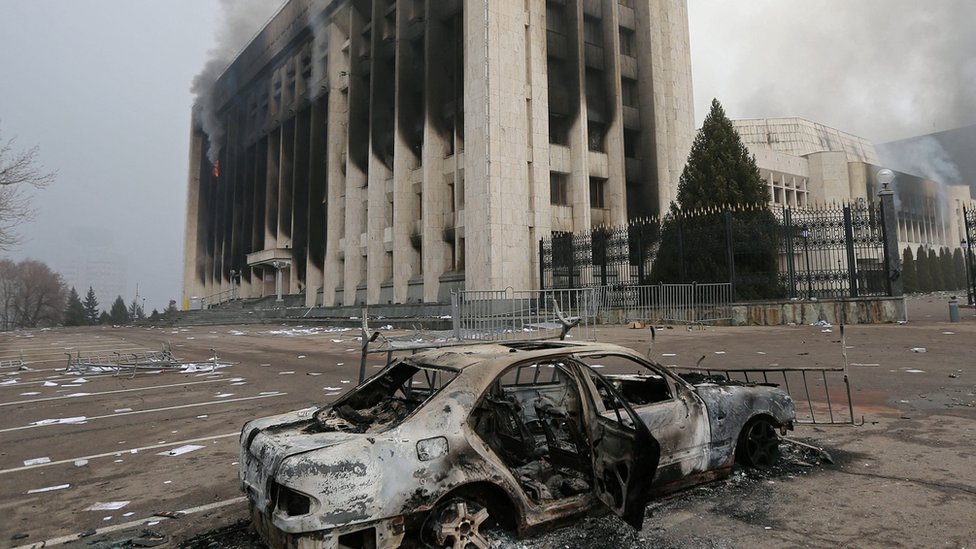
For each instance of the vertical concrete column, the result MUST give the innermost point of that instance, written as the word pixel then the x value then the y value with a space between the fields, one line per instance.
pixel 271 189
pixel 317 170
pixel 379 222
pixel 667 119
pixel 497 245
pixel 537 121
pixel 338 122
pixel 286 204
pixel 435 199
pixel 194 262
pixel 357 138
pixel 616 186
pixel 579 176
pixel 406 203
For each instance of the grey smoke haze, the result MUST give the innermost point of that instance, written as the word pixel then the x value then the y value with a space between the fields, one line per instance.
pixel 238 21
pixel 924 157
pixel 880 69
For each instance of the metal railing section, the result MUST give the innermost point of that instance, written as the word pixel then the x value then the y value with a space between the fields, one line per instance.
pixel 822 395
pixel 503 315
pixel 672 303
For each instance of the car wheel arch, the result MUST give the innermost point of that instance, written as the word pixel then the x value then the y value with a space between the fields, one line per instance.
pixel 502 506
pixel 738 451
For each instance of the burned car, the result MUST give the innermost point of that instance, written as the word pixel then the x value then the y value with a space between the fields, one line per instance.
pixel 527 434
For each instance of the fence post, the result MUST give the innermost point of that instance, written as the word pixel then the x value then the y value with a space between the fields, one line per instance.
pixel 683 275
pixel 729 248
pixel 851 260
pixel 640 252
pixel 790 259
pixel 542 264
pixel 889 226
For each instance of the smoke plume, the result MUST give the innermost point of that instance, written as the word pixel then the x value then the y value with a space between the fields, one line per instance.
pixel 880 69
pixel 238 22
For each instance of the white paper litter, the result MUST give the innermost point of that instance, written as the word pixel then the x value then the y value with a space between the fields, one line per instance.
pixel 288 373
pixel 332 394
pixel 63 420
pixel 122 410
pixel 223 395
pixel 181 450
pixel 30 394
pixel 48 489
pixel 822 324
pixel 339 363
pixel 343 381
pixel 918 349
pixel 50 384
pixel 720 352
pixel 915 371
pixel 331 388
pixel 129 514
pixel 81 462
pixel 301 356
pixel 669 354
pixel 36 461
pixel 108 506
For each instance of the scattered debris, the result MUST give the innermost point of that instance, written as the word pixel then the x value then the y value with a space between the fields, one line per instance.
pixel 180 451
pixel 107 506
pixel 36 461
pixel 918 349
pixel 48 489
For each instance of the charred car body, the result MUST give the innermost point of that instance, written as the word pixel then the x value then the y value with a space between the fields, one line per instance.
pixel 528 433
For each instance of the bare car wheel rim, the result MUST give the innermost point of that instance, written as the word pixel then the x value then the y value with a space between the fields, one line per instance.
pixel 762 444
pixel 459 525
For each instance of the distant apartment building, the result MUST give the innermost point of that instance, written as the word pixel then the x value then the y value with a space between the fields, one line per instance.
pixel 806 163
pixel 390 151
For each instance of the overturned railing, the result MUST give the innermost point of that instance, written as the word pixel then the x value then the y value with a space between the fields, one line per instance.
pixel 117 362
pixel 822 395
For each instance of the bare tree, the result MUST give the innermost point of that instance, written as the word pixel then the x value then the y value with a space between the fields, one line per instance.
pixel 19 170
pixel 31 295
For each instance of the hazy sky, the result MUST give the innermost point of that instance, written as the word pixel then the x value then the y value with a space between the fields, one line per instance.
pixel 103 88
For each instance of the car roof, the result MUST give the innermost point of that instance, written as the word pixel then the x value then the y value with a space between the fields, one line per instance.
pixel 503 354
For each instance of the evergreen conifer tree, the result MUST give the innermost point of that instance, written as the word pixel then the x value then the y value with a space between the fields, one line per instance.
pixel 908 270
pixel 935 271
pixel 74 312
pixel 948 275
pixel 959 267
pixel 104 318
pixel 118 314
pixel 720 176
pixel 924 274
pixel 91 307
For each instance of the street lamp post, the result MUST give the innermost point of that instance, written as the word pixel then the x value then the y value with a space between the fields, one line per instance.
pixel 806 252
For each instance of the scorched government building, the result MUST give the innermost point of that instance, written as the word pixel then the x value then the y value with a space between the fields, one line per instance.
pixel 389 151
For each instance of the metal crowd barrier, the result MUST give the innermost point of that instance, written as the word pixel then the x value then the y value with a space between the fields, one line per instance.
pixel 822 395
pixel 672 303
pixel 508 314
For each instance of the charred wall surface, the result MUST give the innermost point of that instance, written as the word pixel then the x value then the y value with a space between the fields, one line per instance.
pixel 341 169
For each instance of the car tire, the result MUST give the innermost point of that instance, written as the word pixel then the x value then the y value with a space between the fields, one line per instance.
pixel 457 524
pixel 758 444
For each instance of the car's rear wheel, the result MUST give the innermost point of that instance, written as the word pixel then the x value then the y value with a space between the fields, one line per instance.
pixel 457 524
pixel 758 444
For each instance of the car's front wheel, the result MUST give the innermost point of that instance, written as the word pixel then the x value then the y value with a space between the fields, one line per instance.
pixel 758 444
pixel 457 524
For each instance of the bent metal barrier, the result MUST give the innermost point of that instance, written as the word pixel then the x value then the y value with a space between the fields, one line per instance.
pixel 822 395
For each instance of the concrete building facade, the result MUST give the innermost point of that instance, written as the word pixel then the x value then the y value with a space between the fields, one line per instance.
pixel 389 151
pixel 805 164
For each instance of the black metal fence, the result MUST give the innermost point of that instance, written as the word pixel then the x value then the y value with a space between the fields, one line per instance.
pixel 822 252
pixel 969 217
